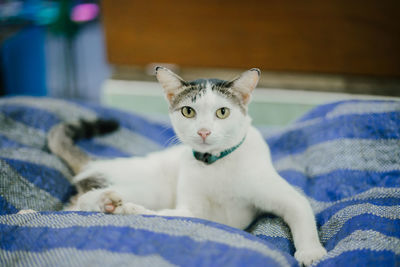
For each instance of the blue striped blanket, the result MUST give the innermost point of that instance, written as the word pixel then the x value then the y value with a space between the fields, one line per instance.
pixel 344 156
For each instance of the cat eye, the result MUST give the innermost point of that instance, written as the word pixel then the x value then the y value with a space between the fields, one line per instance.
pixel 223 113
pixel 188 112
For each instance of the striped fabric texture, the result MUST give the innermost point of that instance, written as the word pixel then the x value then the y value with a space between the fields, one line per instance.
pixel 344 156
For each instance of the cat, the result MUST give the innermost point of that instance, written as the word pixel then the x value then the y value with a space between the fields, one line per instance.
pixel 222 172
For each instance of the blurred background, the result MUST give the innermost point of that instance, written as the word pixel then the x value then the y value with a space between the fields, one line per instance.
pixel 310 52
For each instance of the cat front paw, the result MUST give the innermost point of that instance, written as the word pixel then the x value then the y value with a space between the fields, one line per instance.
pixel 310 256
pixel 26 211
pixel 131 208
pixel 110 202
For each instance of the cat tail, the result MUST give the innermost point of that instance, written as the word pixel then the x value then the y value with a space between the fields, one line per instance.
pixel 61 139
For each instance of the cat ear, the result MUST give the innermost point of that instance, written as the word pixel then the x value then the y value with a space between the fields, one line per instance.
pixel 246 83
pixel 171 82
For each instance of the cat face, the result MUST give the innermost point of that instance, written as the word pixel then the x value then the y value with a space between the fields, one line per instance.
pixel 209 115
pixel 209 122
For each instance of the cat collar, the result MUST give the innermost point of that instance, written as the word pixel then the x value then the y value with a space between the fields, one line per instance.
pixel 208 158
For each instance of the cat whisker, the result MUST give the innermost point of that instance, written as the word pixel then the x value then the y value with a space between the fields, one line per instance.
pixel 175 141
pixel 166 127
pixel 172 141
pixel 169 140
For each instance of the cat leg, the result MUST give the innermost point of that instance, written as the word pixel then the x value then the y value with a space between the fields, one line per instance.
pixel 281 199
pixel 131 208
pixel 300 218
pixel 110 201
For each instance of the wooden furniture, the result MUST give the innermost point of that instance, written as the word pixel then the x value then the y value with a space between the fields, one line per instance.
pixel 333 36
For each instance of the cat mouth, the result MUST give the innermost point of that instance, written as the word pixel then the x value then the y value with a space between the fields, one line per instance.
pixel 203 143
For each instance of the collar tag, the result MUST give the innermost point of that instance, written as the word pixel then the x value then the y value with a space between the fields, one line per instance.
pixel 208 158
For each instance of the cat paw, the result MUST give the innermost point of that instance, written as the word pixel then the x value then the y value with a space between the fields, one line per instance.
pixel 26 211
pixel 110 202
pixel 310 256
pixel 131 208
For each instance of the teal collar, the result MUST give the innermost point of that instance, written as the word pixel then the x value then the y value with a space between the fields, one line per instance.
pixel 208 158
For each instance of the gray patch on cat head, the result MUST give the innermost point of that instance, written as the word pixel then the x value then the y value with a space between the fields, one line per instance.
pixel 90 183
pixel 225 89
pixel 192 90
pixel 196 89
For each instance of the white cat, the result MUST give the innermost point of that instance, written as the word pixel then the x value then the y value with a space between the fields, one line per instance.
pixel 222 172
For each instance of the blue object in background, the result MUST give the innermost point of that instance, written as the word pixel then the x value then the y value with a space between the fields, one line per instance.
pixel 23 62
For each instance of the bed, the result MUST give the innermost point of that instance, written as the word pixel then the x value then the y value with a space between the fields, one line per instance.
pixel 344 156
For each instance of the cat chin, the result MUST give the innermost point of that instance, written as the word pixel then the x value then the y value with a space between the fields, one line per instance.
pixel 203 148
pixel 208 148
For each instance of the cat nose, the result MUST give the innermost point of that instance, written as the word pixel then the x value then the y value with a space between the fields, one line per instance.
pixel 203 133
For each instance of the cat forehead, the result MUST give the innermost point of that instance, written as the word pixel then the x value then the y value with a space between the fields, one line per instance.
pixel 192 91
pixel 206 99
pixel 212 82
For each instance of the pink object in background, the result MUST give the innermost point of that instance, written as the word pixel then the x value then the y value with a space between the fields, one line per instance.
pixel 84 12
